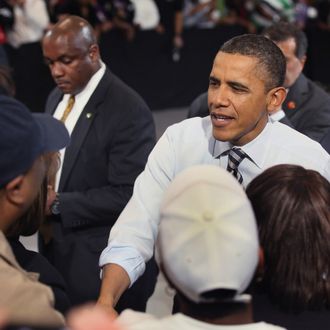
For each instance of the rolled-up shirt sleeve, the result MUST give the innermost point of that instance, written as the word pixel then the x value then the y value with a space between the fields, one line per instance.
pixel 125 256
pixel 132 238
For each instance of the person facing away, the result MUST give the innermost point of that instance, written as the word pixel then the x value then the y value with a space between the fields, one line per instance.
pixel 291 205
pixel 246 83
pixel 29 224
pixel 25 139
pixel 31 221
pixel 307 106
pixel 212 261
pixel 112 133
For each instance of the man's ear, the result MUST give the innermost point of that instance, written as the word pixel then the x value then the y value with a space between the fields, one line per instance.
pixel 94 52
pixel 303 61
pixel 14 191
pixel 275 98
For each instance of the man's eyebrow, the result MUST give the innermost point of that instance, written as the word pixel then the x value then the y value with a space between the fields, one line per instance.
pixel 213 79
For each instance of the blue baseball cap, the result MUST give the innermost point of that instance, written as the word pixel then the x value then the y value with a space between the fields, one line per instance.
pixel 25 136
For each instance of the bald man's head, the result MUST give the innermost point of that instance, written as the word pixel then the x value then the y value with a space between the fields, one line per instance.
pixel 75 27
pixel 72 53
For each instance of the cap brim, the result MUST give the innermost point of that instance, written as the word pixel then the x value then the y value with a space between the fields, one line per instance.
pixel 55 136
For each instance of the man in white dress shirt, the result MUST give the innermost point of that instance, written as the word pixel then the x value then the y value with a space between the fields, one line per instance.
pixel 246 83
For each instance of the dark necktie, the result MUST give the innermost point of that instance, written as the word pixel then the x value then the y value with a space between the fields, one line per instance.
pixel 235 156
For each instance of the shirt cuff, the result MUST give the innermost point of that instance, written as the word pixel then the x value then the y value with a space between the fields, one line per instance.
pixel 126 257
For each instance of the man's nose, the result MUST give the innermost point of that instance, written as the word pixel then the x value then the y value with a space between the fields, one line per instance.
pixel 56 70
pixel 221 96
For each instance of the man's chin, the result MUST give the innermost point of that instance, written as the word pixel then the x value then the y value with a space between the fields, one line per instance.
pixel 64 88
pixel 221 136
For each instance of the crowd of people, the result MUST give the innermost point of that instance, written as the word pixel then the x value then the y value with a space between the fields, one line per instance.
pixel 23 22
pixel 235 198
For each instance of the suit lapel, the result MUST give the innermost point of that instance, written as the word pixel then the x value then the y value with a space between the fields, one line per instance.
pixel 54 100
pixel 296 96
pixel 82 128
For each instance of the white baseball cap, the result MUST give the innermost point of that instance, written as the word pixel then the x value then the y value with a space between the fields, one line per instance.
pixel 208 236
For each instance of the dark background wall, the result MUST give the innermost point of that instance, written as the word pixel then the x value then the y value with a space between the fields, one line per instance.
pixel 146 65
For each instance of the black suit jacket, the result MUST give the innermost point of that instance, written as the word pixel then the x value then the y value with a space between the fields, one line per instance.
pixel 307 106
pixel 325 142
pixel 109 148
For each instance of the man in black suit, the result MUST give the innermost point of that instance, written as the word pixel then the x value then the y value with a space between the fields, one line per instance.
pixel 307 106
pixel 112 133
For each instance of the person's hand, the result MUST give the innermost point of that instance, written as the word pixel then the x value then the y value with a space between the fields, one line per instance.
pixel 115 281
pixel 91 317
pixel 107 306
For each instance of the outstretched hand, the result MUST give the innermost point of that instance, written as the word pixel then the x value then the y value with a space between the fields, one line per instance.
pixel 89 317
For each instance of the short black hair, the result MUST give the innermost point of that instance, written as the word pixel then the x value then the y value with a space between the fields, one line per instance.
pixel 269 56
pixel 283 31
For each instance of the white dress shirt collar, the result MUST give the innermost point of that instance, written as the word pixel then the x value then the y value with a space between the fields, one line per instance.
pixel 81 100
pixel 255 149
pixel 92 84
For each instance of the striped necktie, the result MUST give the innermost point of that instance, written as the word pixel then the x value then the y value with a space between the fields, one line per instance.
pixel 235 156
pixel 68 108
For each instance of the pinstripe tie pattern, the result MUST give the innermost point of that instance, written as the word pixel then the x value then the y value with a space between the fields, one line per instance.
pixel 235 156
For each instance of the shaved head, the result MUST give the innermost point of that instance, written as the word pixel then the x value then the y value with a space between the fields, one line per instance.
pixel 70 49
pixel 73 27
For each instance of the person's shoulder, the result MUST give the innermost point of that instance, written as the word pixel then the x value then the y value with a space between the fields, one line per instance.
pixel 121 94
pixel 119 85
pixel 290 136
pixel 55 92
pixel 129 317
pixel 132 320
pixel 6 252
pixel 291 143
pixel 201 99
pixel 317 89
pixel 199 106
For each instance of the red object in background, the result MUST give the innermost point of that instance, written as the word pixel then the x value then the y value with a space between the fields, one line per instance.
pixel 291 105
pixel 3 38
